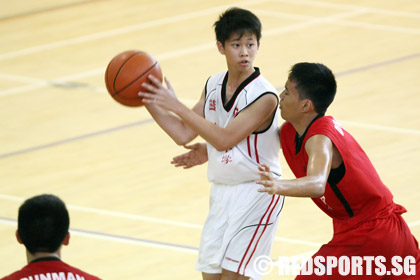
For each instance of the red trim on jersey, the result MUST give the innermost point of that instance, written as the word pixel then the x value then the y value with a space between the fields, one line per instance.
pixel 255 233
pixel 249 147
pixel 256 149
pixel 265 227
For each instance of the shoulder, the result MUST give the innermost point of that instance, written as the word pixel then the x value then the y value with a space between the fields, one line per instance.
pixel 318 140
pixel 262 85
pixel 15 275
pixel 11 276
pixel 216 78
pixel 260 88
pixel 286 128
pixel 75 270
pixel 326 125
pixel 213 81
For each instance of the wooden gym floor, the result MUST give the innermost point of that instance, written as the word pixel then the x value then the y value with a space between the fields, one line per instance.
pixel 133 215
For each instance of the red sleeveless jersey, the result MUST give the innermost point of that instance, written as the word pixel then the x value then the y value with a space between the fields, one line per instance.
pixel 49 268
pixel 360 195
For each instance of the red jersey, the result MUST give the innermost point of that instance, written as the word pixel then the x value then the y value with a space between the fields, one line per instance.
pixel 49 268
pixel 356 199
pixel 357 196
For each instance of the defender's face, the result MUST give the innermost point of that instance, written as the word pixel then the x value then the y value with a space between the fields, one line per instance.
pixel 240 51
pixel 290 102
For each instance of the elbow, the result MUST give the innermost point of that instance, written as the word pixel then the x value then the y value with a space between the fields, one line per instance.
pixel 318 190
pixel 222 146
pixel 223 143
pixel 182 140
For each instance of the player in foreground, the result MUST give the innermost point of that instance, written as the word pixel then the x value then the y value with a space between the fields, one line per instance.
pixel 237 114
pixel 335 172
pixel 43 227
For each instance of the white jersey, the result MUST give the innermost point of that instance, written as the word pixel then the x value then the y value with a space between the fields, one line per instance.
pixel 239 164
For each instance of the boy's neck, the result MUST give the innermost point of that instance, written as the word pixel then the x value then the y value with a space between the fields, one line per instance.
pixel 236 78
pixel 31 257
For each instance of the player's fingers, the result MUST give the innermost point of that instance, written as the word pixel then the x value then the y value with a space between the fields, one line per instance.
pixel 265 174
pixel 263 167
pixel 146 96
pixel 149 88
pixel 265 183
pixel 266 167
pixel 154 80
pixel 178 160
pixel 260 182
pixel 264 190
pixel 168 84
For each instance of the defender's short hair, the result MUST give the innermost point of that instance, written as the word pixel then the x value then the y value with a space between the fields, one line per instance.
pixel 43 223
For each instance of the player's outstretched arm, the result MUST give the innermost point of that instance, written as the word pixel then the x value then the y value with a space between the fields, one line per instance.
pixel 320 153
pixel 169 122
pixel 196 156
pixel 258 114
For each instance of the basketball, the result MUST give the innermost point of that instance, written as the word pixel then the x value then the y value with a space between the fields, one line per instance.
pixel 125 74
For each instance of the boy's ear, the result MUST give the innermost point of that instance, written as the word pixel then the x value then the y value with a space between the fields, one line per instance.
pixel 308 105
pixel 18 238
pixel 220 47
pixel 66 239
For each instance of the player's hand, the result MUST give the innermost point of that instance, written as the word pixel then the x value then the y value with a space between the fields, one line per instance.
pixel 158 94
pixel 196 156
pixel 266 179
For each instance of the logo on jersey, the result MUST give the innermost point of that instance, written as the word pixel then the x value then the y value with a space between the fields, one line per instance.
pixel 212 105
pixel 226 159
pixel 235 112
pixel 325 202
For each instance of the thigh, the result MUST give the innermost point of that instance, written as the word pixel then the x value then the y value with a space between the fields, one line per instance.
pixel 251 232
pixel 213 232
pixel 378 249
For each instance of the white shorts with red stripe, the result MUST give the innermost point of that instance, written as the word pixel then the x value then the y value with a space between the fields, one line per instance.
pixel 240 227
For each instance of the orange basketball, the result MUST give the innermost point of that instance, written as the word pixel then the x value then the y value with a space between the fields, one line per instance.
pixel 125 74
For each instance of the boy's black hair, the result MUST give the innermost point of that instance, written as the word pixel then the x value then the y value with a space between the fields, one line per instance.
pixel 43 223
pixel 316 82
pixel 236 21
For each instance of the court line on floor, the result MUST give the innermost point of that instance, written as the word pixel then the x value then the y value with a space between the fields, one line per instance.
pixel 74 139
pixel 47 9
pixel 348 6
pixel 123 30
pixel 120 238
pixel 39 83
pixel 380 127
pixel 177 18
pixel 142 242
pixel 117 128
pixel 151 219
pixel 149 243
pixel 379 64
pixel 162 221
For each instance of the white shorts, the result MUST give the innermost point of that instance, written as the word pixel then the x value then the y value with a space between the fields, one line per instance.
pixel 240 227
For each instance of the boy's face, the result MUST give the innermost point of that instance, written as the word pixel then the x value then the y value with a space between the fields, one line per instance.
pixel 240 51
pixel 290 103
